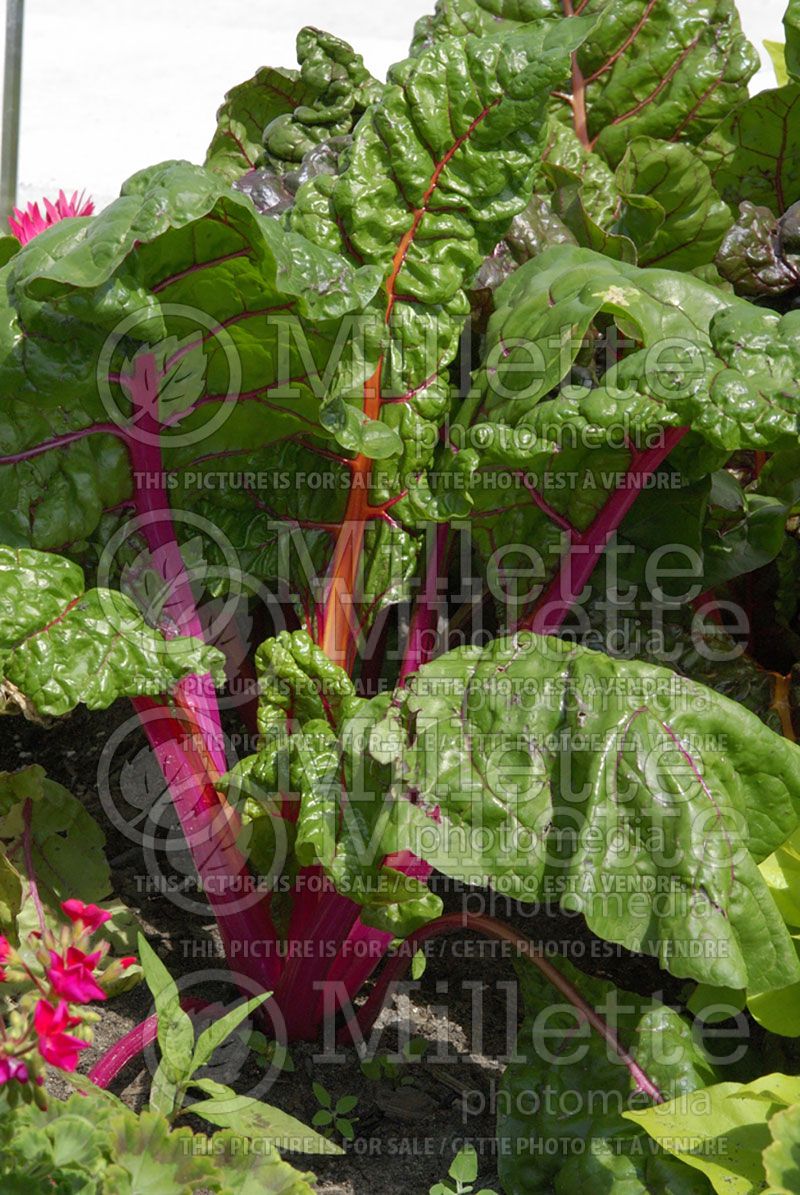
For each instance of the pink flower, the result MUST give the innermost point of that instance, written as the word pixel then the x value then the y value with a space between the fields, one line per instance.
pixel 5 951
pixel 92 916
pixel 55 1046
pixel 72 978
pixel 12 1068
pixel 25 225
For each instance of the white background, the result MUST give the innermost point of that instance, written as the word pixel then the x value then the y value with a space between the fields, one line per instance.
pixel 110 86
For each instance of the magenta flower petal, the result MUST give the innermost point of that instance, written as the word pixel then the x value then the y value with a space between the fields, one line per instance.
pixel 12 1068
pixel 25 225
pixel 55 1045
pixel 72 978
pixel 92 916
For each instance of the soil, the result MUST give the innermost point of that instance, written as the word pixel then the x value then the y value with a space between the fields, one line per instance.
pixel 409 1123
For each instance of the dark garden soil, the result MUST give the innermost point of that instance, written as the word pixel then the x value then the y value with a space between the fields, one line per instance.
pixel 410 1123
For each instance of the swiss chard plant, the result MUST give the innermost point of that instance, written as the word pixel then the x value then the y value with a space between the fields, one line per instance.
pixel 475 396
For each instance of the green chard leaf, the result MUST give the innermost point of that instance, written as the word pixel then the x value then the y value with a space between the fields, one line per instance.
pixel 61 644
pixel 725 368
pixel 557 771
pixel 178 265
pixel 753 255
pixel 587 360
pixel 727 1142
pixel 661 69
pixel 753 154
pixel 314 749
pixel 338 88
pixel 670 69
pixel 671 211
pixel 248 109
pixel 565 1094
pixel 427 192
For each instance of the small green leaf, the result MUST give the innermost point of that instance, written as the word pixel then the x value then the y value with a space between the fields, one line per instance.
pixel 464 1167
pixel 416 1048
pixel 418 964
pixel 253 1119
pixel 175 1029
pixel 216 1034
pixel 345 1127
pixel 776 51
pixel 163 1092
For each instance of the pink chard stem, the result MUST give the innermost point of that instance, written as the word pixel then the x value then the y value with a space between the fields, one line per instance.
pixel 424 620
pixel 134 1043
pixel 190 767
pixel 584 552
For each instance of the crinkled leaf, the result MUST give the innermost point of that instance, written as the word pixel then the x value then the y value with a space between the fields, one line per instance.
pixel 675 772
pixel 61 644
pixel 752 255
pixel 337 89
pixel 178 254
pixel 660 68
pixel 724 367
pixel 754 154
pixel 304 701
pixel 428 190
pixel 671 211
pixel 247 110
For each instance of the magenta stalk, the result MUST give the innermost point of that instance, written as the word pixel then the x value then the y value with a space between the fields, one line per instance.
pixel 422 632
pixel 582 556
pixel 208 822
